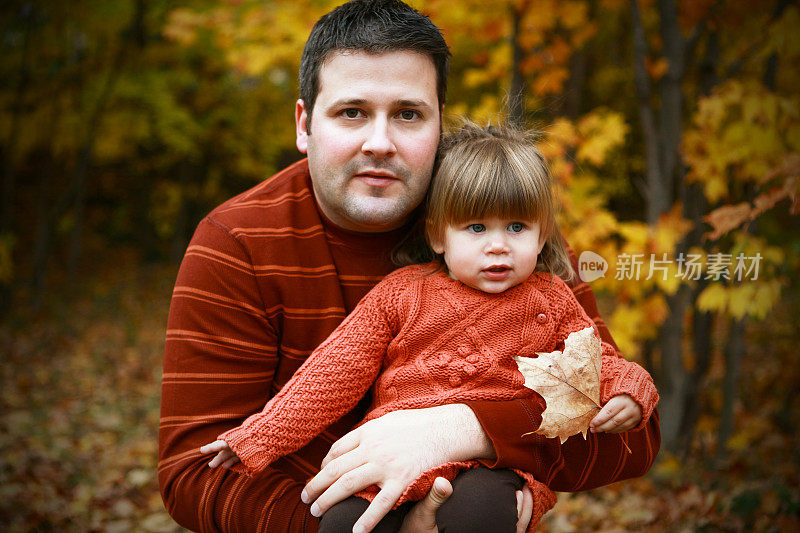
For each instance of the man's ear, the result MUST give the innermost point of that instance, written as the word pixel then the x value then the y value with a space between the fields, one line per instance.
pixel 300 121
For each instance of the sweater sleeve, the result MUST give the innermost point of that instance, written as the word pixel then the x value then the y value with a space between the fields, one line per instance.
pixel 578 464
pixel 617 375
pixel 327 386
pixel 219 362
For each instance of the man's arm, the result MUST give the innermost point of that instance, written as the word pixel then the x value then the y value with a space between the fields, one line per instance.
pixel 220 358
pixel 392 451
pixel 578 464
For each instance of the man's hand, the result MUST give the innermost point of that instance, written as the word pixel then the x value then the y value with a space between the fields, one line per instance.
pixel 620 414
pixel 391 452
pixel 422 517
pixel 524 508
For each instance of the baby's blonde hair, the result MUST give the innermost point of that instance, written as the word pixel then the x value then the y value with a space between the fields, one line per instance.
pixel 495 171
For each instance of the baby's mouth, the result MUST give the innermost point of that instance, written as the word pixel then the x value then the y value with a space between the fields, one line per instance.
pixel 496 272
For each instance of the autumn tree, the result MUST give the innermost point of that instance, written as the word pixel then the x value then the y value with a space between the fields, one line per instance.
pixel 124 122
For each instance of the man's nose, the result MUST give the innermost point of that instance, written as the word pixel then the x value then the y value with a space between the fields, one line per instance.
pixel 379 141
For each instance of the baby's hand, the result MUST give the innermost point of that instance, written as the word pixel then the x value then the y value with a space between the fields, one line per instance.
pixel 224 457
pixel 620 414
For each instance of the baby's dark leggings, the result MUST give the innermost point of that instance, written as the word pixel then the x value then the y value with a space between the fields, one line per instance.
pixel 482 500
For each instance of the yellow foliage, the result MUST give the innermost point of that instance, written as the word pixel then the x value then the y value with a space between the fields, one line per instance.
pixel 602 131
pixel 655 311
pixel 766 296
pixel 488 110
pixel 563 132
pixel 542 18
pixel 751 298
pixel 625 322
pixel 636 235
pixel 573 14
pixel 739 133
pixel 181 26
pixel 740 299
pixel 783 37
pixel 713 298
pixel 475 77
pixel 551 81
pixel 670 229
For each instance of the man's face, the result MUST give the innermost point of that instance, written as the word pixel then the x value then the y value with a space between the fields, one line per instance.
pixel 373 137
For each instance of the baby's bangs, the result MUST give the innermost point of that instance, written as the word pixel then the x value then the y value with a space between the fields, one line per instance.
pixel 493 186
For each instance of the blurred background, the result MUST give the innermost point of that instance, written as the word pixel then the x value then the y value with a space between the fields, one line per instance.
pixel 672 128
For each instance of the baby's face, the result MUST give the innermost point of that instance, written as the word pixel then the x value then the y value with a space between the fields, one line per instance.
pixel 491 254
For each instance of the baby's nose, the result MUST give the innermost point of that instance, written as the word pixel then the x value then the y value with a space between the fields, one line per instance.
pixel 496 246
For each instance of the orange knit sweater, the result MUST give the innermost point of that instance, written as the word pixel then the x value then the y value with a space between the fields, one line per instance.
pixel 424 340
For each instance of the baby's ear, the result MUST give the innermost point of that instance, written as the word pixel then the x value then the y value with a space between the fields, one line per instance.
pixel 542 241
pixel 434 243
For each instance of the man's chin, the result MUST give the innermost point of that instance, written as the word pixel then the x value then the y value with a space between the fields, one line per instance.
pixel 374 217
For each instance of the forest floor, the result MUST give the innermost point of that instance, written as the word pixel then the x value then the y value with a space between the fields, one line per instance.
pixel 80 406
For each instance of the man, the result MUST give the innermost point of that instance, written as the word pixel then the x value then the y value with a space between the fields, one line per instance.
pixel 270 273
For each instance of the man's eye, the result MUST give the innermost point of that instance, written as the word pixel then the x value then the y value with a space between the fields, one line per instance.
pixel 351 113
pixel 516 227
pixel 409 114
pixel 476 228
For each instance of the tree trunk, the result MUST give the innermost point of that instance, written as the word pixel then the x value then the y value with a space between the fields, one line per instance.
pixel 663 173
pixel 671 99
pixel 674 383
pixel 694 207
pixel 655 197
pixel 84 157
pixel 701 347
pixel 516 92
pixel 734 353
pixel 180 239
pixel 578 64
pixel 9 173
pixel 81 170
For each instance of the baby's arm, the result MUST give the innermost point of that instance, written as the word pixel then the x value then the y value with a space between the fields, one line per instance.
pixel 620 414
pixel 225 456
pixel 328 385
pixel 627 392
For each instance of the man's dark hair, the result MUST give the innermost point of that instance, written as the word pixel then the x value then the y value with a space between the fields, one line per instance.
pixel 374 27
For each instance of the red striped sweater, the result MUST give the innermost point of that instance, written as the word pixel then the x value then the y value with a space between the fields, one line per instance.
pixel 264 281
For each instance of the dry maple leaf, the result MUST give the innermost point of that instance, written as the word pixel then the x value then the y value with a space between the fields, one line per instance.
pixel 569 382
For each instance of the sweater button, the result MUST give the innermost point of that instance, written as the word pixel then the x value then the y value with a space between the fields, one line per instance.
pixel 541 318
pixel 455 381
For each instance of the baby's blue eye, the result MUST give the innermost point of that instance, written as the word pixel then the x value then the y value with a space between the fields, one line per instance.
pixel 476 228
pixel 516 227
